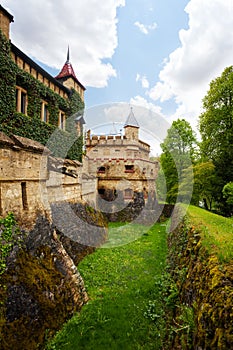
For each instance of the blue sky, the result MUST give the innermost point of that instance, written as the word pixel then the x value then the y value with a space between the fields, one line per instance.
pixel 139 53
pixel 160 55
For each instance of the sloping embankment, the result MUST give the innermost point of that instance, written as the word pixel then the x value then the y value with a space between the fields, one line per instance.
pixel 201 261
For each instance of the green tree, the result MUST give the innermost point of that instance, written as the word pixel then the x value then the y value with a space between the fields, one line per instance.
pixel 216 125
pixel 228 193
pixel 178 154
pixel 216 128
pixel 205 183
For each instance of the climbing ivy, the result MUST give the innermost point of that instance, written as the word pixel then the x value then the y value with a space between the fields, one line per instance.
pixel 9 232
pixel 63 144
pixel 7 78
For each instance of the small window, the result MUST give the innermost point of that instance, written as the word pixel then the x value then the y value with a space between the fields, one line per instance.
pixel 21 100
pixel 129 168
pixel 145 193
pixel 44 112
pixel 128 193
pixel 24 195
pixel 101 170
pixel 62 120
pixel 101 191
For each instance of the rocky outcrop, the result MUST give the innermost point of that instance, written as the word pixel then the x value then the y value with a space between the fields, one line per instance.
pixel 41 287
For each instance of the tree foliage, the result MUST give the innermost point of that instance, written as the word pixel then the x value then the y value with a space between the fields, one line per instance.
pixel 216 125
pixel 178 154
pixel 228 193
pixel 216 128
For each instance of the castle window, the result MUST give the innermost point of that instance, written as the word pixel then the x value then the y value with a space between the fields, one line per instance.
pixel 21 100
pixel 101 170
pixel 128 193
pixel 24 195
pixel 44 112
pixel 101 191
pixel 62 120
pixel 129 168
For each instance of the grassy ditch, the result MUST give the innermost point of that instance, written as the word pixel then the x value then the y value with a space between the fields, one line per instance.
pixel 129 295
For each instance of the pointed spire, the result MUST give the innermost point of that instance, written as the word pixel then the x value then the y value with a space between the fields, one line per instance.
pixel 68 55
pixel 131 120
pixel 67 69
pixel 113 130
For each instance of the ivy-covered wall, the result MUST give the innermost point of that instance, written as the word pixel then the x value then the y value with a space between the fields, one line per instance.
pixel 64 144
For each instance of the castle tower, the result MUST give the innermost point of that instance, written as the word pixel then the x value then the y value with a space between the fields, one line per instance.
pixel 5 19
pixel 131 127
pixel 68 78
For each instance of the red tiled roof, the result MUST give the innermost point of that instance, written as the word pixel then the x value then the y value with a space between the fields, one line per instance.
pixel 66 71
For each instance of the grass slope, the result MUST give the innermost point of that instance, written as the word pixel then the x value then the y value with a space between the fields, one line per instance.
pixel 217 232
pixel 124 311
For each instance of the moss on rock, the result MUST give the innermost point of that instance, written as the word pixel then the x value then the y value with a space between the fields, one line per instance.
pixel 205 284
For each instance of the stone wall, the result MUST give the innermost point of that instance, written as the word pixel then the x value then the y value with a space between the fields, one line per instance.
pixel 23 167
pixel 204 283
pixel 5 20
pixel 41 287
pixel 31 180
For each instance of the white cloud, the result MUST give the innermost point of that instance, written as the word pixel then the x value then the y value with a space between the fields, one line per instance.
pixel 145 28
pixel 206 49
pixel 144 81
pixel 44 29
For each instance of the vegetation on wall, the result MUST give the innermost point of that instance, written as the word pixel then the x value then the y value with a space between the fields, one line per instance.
pixel 64 144
pixel 9 234
pixel 61 143
pixel 7 78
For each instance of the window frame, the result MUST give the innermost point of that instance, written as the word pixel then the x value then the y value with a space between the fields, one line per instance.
pixel 44 116
pixel 21 100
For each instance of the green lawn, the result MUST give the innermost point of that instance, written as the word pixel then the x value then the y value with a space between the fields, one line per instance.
pixel 216 230
pixel 124 284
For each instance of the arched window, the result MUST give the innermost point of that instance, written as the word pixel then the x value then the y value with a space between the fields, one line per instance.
pixel 101 170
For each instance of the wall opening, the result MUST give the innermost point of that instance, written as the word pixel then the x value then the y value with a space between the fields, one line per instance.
pixel 101 170
pixel 24 195
pixel 128 193
pixel 129 168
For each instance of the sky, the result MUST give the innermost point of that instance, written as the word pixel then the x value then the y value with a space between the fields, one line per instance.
pixel 160 55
